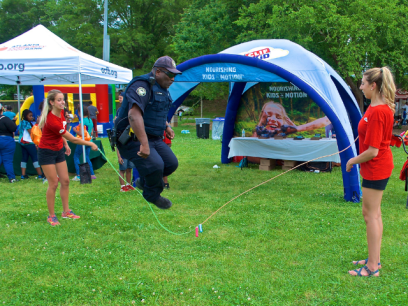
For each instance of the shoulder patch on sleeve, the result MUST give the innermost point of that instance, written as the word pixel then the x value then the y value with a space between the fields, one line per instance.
pixel 141 91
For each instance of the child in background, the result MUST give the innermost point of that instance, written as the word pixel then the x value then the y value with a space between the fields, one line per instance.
pixel 28 148
pixel 79 151
pixel 125 166
pixel 88 122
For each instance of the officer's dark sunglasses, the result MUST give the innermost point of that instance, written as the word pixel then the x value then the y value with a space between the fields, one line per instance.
pixel 168 73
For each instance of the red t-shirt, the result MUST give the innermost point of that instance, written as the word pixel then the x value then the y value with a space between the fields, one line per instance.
pixel 52 132
pixel 375 130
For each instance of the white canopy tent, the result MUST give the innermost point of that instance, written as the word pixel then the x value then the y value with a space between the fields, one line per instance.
pixel 39 57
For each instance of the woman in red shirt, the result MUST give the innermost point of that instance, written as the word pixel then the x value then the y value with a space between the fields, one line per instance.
pixel 375 159
pixel 51 155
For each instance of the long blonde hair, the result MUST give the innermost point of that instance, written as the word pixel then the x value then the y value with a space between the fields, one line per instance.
pixel 47 107
pixel 385 84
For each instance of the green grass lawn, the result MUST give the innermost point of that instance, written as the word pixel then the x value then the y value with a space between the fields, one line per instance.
pixel 288 242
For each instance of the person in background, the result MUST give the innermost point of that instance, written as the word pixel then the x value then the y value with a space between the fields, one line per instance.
pixel 120 98
pixel 51 155
pixel 79 151
pixel 28 148
pixel 88 122
pixel 9 113
pixel 40 107
pixel 93 111
pixel 69 117
pixel 404 117
pixel 375 159
pixel 7 144
pixel 125 166
pixel 180 114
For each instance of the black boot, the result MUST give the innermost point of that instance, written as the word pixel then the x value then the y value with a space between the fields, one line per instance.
pixel 162 203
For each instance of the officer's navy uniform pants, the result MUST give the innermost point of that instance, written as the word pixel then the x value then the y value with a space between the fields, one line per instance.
pixel 161 162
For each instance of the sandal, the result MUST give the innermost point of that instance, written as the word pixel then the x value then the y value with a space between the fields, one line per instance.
pixel 370 273
pixel 365 262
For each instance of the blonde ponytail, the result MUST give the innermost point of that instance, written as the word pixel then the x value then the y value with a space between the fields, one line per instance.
pixel 388 88
pixel 47 107
pixel 385 84
pixel 44 114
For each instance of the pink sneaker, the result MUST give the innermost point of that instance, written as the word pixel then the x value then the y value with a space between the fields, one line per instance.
pixel 69 215
pixel 53 220
pixel 93 177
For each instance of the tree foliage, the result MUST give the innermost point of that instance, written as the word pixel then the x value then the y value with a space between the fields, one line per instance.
pixel 350 35
pixel 140 30
pixel 19 16
pixel 207 27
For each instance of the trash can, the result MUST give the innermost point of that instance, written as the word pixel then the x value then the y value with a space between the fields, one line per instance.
pixel 217 128
pixel 203 127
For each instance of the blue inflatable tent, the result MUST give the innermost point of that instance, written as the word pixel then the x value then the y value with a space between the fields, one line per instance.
pixel 276 60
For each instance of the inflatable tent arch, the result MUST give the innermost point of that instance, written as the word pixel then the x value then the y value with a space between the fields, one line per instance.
pixel 273 60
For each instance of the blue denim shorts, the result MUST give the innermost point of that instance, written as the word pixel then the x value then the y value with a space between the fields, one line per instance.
pixel 127 164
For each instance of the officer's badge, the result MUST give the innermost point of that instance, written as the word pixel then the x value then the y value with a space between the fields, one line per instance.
pixel 141 91
pixel 173 63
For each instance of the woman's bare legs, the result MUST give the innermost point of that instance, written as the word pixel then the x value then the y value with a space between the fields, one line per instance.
pixel 50 172
pixel 372 217
pixel 62 171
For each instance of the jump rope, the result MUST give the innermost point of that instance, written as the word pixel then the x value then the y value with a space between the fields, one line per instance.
pixel 199 228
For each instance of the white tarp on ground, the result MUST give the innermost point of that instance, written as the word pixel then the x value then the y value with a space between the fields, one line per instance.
pixel 39 57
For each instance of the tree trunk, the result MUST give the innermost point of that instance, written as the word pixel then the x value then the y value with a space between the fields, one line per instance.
pixel 356 92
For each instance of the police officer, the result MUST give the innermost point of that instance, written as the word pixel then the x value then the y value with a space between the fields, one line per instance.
pixel 145 106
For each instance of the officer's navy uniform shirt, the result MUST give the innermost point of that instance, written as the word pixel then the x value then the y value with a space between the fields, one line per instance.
pixel 153 94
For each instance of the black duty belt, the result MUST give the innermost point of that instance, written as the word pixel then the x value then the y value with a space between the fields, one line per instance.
pixel 134 138
pixel 153 137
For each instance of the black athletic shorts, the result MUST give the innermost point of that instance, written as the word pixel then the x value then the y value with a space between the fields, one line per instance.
pixel 50 157
pixel 378 184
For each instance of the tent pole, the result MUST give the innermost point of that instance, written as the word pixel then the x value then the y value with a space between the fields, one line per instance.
pixel 18 99
pixel 81 108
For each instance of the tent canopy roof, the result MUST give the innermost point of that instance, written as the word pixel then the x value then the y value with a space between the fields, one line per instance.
pixel 281 53
pixel 39 57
